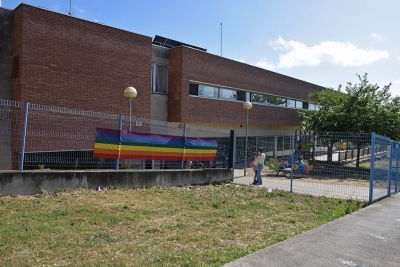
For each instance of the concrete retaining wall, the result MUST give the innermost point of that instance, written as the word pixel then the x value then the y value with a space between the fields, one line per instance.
pixel 33 182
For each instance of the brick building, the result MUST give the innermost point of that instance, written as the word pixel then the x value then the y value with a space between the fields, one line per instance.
pixel 59 60
pixel 55 59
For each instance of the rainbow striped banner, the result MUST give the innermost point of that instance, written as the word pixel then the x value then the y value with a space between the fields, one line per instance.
pixel 116 144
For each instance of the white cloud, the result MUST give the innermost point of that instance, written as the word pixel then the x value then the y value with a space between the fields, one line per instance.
pixel 377 36
pixel 338 53
pixel 263 63
pixel 397 82
pixel 398 58
pixel 240 60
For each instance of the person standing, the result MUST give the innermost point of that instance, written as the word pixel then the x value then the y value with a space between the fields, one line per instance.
pixel 254 165
pixel 260 165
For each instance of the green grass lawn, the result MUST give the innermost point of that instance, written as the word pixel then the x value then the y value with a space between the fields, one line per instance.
pixel 160 226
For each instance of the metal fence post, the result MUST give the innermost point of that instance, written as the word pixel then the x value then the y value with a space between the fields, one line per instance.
pixel 119 147
pixel 396 189
pixel 21 163
pixel 372 169
pixel 390 167
pixel 232 153
pixel 291 164
pixel 184 137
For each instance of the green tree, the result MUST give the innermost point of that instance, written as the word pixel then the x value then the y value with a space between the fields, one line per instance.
pixel 362 107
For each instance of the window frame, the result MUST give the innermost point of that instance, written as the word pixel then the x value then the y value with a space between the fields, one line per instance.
pixel 197 89
pixel 243 96
pixel 233 93
pixel 208 93
pixel 290 103
pixel 255 95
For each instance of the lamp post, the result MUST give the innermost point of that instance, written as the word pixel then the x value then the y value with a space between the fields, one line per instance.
pixel 247 106
pixel 130 93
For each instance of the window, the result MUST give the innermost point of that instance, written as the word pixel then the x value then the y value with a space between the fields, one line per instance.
pixel 311 107
pixel 227 94
pixel 259 98
pixel 273 100
pixel 211 91
pixel 241 96
pixel 193 89
pixel 291 103
pixel 214 91
pixel 160 79
pixel 208 91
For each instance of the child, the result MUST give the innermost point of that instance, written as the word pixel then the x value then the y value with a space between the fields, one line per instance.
pixel 301 166
pixel 253 164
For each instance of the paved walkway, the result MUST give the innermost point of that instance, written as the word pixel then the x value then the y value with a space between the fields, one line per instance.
pixel 316 188
pixel 366 238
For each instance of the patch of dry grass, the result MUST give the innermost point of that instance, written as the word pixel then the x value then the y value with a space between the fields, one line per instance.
pixel 159 226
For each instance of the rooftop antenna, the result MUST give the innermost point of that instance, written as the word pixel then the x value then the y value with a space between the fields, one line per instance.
pixel 221 39
pixel 69 13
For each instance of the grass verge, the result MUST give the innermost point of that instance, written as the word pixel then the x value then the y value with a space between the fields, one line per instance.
pixel 160 226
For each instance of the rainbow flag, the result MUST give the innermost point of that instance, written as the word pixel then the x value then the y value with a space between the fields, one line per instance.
pixel 107 144
pixel 117 144
pixel 200 149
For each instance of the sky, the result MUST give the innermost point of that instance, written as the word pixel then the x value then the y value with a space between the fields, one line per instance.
pixel 324 42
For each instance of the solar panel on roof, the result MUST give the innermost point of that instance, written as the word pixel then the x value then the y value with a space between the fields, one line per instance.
pixel 165 42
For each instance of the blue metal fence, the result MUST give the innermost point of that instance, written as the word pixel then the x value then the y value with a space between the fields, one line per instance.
pixel 360 166
pixel 380 167
pixel 337 164
pixel 394 167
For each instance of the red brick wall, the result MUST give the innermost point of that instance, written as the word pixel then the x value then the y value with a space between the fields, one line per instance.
pixel 175 89
pixel 69 62
pixel 189 64
pixel 16 49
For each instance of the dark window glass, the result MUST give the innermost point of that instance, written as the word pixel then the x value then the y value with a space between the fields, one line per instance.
pixel 305 105
pixel 193 89
pixel 241 96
